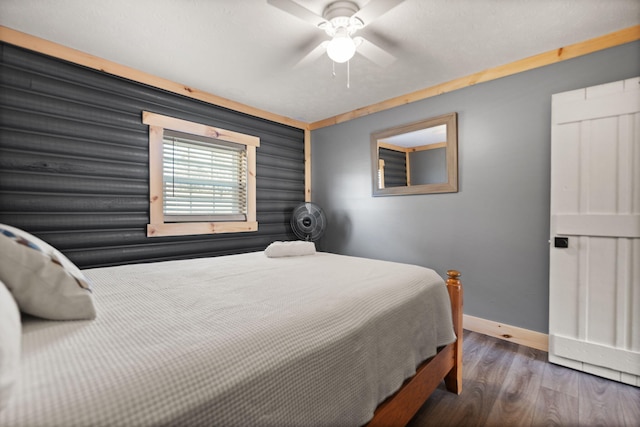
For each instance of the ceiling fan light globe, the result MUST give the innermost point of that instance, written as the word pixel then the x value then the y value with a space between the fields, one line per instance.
pixel 341 48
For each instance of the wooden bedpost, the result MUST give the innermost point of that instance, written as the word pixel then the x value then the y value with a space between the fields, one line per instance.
pixel 453 380
pixel 398 409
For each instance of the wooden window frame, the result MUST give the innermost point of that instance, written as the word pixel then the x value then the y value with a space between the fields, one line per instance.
pixel 157 226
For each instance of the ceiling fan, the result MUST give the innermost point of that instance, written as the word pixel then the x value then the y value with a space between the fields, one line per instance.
pixel 340 20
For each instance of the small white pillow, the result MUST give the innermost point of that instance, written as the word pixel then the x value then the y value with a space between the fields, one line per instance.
pixel 42 280
pixel 10 337
pixel 294 248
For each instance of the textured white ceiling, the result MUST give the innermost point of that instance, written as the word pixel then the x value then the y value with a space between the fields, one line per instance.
pixel 245 50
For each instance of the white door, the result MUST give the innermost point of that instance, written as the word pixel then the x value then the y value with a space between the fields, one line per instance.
pixel 594 306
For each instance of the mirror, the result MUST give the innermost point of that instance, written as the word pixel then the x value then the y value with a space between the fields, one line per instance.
pixel 417 158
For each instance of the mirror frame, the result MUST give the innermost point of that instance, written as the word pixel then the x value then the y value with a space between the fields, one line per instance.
pixel 451 186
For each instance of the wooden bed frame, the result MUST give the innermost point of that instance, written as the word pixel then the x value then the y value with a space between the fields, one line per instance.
pixel 446 365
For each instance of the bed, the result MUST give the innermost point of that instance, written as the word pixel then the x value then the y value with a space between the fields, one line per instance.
pixel 246 339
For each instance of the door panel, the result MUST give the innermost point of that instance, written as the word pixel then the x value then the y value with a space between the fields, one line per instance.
pixel 594 307
pixel 601 291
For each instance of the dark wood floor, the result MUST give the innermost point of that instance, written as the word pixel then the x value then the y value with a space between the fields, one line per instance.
pixel 506 384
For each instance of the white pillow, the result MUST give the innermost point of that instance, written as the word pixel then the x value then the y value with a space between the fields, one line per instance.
pixel 10 337
pixel 42 280
pixel 293 248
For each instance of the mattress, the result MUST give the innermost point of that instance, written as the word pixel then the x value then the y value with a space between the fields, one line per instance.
pixel 241 340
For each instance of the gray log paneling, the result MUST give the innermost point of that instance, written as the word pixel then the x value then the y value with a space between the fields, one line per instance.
pixel 395 167
pixel 74 163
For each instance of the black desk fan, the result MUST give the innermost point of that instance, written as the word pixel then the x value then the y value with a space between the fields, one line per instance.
pixel 308 221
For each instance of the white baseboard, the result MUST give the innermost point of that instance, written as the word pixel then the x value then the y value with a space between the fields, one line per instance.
pixel 514 334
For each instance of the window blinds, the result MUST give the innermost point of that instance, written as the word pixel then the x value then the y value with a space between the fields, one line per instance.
pixel 204 179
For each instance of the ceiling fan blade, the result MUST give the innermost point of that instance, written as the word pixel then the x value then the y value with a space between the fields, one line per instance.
pixel 374 9
pixel 315 53
pixel 298 11
pixel 374 53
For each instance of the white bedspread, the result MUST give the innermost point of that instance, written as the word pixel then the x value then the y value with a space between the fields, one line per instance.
pixel 240 340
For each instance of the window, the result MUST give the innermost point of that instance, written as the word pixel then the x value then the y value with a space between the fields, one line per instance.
pixel 381 173
pixel 202 179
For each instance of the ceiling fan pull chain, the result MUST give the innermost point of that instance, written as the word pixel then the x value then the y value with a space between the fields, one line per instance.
pixel 333 71
pixel 348 74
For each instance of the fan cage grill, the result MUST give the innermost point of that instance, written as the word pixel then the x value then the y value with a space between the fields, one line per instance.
pixel 308 221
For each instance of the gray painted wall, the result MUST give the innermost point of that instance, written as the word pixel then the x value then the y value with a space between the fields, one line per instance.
pixel 495 229
pixel 428 166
